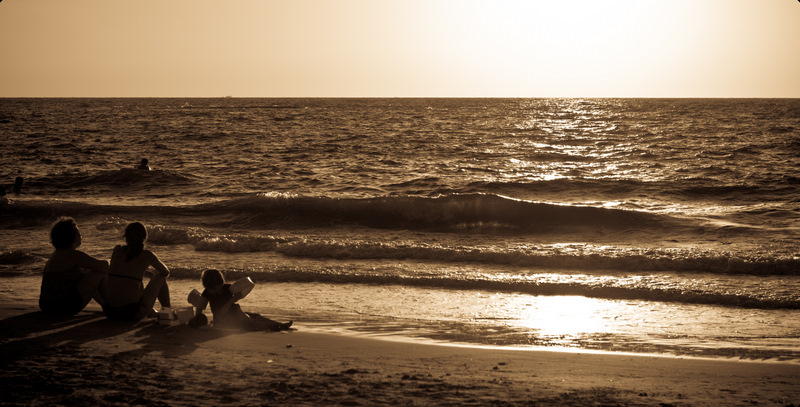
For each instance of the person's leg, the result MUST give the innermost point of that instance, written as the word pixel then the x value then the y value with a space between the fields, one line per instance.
pixel 267 324
pixel 101 293
pixel 92 285
pixel 163 295
pixel 243 321
pixel 151 292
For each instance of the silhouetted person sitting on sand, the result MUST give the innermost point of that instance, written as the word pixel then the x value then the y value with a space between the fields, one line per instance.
pixel 228 314
pixel 143 165
pixel 71 277
pixel 128 299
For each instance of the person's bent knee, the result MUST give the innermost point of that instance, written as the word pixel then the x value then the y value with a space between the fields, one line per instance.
pixel 158 278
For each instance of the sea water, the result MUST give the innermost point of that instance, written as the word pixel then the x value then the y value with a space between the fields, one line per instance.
pixel 636 225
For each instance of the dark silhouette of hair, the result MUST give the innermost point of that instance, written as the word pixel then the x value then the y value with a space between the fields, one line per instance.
pixel 212 278
pixel 135 235
pixel 63 233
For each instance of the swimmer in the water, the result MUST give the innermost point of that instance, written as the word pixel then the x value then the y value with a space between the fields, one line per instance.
pixel 143 165
pixel 18 185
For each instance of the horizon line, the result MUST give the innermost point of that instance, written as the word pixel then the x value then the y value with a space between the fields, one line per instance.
pixel 399 97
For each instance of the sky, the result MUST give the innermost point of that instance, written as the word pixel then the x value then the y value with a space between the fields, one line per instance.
pixel 400 48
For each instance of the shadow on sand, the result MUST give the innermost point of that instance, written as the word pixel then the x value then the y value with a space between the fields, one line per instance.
pixel 37 333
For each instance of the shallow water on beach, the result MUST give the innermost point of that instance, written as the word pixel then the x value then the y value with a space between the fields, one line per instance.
pixel 511 320
pixel 635 225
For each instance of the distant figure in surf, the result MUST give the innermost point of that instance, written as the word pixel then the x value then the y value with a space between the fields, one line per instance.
pixel 18 185
pixel 227 313
pixel 71 277
pixel 143 165
pixel 128 299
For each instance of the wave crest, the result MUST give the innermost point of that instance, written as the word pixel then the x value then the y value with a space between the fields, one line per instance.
pixel 450 213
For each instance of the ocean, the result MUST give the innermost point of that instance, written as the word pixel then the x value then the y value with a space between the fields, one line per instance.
pixel 666 226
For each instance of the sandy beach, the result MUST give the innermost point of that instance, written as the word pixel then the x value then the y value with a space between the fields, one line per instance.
pixel 88 360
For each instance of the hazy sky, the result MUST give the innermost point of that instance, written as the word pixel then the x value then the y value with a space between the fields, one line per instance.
pixel 330 48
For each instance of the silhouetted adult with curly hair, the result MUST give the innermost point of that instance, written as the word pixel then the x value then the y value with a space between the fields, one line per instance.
pixel 71 277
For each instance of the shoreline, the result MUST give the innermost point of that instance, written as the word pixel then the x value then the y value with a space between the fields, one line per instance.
pixel 25 288
pixel 413 340
pixel 87 359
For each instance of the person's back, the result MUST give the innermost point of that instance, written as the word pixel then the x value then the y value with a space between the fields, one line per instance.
pixel 63 261
pixel 62 269
pixel 217 298
pixel 125 277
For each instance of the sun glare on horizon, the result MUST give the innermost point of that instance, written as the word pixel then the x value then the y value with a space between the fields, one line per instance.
pixel 353 48
pixel 575 48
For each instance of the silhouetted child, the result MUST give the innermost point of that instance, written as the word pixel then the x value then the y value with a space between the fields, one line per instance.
pixel 228 314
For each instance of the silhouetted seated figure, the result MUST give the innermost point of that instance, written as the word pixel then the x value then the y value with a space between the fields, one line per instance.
pixel 227 313
pixel 143 165
pixel 128 299
pixel 71 277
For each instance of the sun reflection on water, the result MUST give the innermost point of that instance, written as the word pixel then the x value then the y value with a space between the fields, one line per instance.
pixel 556 316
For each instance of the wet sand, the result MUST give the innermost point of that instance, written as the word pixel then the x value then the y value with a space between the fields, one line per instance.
pixel 88 360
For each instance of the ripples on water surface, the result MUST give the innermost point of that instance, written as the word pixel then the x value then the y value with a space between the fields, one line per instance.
pixel 650 225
